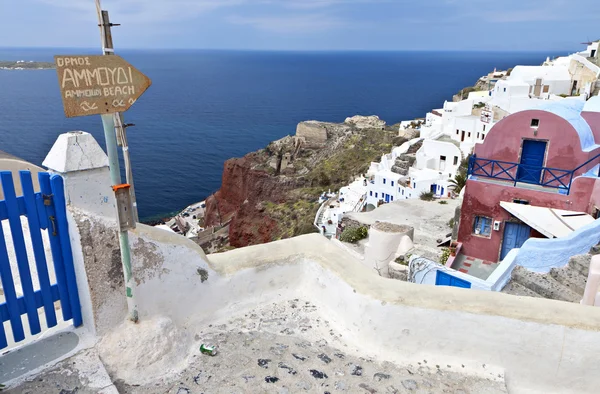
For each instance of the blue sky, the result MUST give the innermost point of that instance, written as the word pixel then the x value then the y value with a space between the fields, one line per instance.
pixel 306 24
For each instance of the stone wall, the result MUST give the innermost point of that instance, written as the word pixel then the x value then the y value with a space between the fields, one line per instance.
pixel 312 132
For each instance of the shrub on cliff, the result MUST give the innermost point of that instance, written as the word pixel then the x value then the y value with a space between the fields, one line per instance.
pixel 355 234
pixel 426 196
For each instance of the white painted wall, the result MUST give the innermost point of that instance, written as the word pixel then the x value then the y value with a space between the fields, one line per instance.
pixel 424 271
pixel 384 246
pixel 542 345
pixel 78 158
pixel 541 255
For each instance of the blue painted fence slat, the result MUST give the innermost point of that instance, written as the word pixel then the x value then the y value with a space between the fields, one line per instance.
pixel 38 246
pixel 58 190
pixel 14 220
pixel 8 286
pixel 57 255
pixel 41 209
pixel 4 209
pixel 22 309
pixel 3 342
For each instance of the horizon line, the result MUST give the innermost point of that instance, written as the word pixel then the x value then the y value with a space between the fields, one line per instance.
pixel 290 50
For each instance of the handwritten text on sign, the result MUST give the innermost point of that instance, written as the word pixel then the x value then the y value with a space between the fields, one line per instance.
pixel 98 84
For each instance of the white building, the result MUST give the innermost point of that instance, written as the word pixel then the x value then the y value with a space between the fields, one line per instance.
pixel 436 162
pixel 351 198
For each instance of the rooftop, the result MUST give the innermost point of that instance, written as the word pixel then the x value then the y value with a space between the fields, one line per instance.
pixel 570 110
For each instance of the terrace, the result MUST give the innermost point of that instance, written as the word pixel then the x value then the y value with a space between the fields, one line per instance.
pixel 553 180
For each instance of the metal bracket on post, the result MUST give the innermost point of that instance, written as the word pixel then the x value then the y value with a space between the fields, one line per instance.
pixel 124 207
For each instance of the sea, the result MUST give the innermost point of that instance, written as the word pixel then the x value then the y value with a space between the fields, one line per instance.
pixel 206 106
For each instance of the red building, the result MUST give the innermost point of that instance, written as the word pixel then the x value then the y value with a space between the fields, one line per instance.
pixel 547 157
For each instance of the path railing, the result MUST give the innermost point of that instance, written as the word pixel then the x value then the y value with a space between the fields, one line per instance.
pixel 554 178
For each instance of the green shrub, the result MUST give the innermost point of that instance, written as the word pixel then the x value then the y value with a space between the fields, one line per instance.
pixel 443 202
pixel 451 223
pixel 355 234
pixel 426 196
pixel 445 255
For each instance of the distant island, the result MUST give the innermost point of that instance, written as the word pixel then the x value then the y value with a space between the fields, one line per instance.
pixel 25 65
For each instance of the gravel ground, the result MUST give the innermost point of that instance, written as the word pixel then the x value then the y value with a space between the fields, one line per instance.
pixel 284 347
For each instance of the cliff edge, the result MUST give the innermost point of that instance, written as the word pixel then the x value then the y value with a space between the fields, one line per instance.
pixel 272 193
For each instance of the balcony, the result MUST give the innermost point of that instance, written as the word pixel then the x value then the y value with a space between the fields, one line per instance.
pixel 527 176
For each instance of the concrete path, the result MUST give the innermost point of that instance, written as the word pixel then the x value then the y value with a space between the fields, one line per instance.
pixel 34 355
pixel 287 347
pixel 83 373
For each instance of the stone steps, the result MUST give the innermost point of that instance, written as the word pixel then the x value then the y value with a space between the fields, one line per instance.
pixel 518 289
pixel 581 264
pixel 544 285
pixel 570 278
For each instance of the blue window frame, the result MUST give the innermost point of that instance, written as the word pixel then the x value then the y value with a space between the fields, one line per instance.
pixel 375 195
pixel 384 181
pixel 482 226
pixel 371 193
pixel 402 191
pixel 392 183
pixel 414 185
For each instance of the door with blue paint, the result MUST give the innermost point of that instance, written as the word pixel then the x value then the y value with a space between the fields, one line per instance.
pixel 444 279
pixel 387 198
pixel 532 161
pixel 515 235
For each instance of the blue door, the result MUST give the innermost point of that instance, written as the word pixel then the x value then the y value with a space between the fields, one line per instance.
pixel 433 188
pixel 532 161
pixel 387 198
pixel 515 235
pixel 442 193
pixel 444 279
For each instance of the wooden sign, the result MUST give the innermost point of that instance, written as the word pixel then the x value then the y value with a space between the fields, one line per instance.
pixel 93 85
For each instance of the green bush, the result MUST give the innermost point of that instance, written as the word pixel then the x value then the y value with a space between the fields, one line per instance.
pixel 445 255
pixel 451 223
pixel 355 234
pixel 443 202
pixel 426 196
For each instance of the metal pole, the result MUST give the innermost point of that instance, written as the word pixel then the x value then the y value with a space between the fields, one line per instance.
pixel 108 122
pixel 122 138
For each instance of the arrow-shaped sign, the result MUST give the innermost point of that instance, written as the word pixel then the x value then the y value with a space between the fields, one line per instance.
pixel 93 85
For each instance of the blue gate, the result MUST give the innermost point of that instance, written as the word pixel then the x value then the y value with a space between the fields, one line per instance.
pixel 532 161
pixel 444 279
pixel 45 211
pixel 515 235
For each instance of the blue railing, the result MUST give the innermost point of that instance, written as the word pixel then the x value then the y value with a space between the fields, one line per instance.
pixel 555 178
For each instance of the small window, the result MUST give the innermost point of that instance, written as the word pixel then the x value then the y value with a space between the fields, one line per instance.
pixel 384 181
pixel 535 122
pixel 469 133
pixel 520 201
pixel 477 135
pixel 482 136
pixel 414 185
pixel 392 183
pixel 375 195
pixel 392 198
pixel 455 160
pixel 596 213
pixel 449 175
pixel 505 89
pixel 402 191
pixel 482 226
pixel 457 132
pixel 483 127
pixel 371 193
pixel 442 158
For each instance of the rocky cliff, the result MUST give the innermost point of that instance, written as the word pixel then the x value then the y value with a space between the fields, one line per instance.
pixel 272 193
